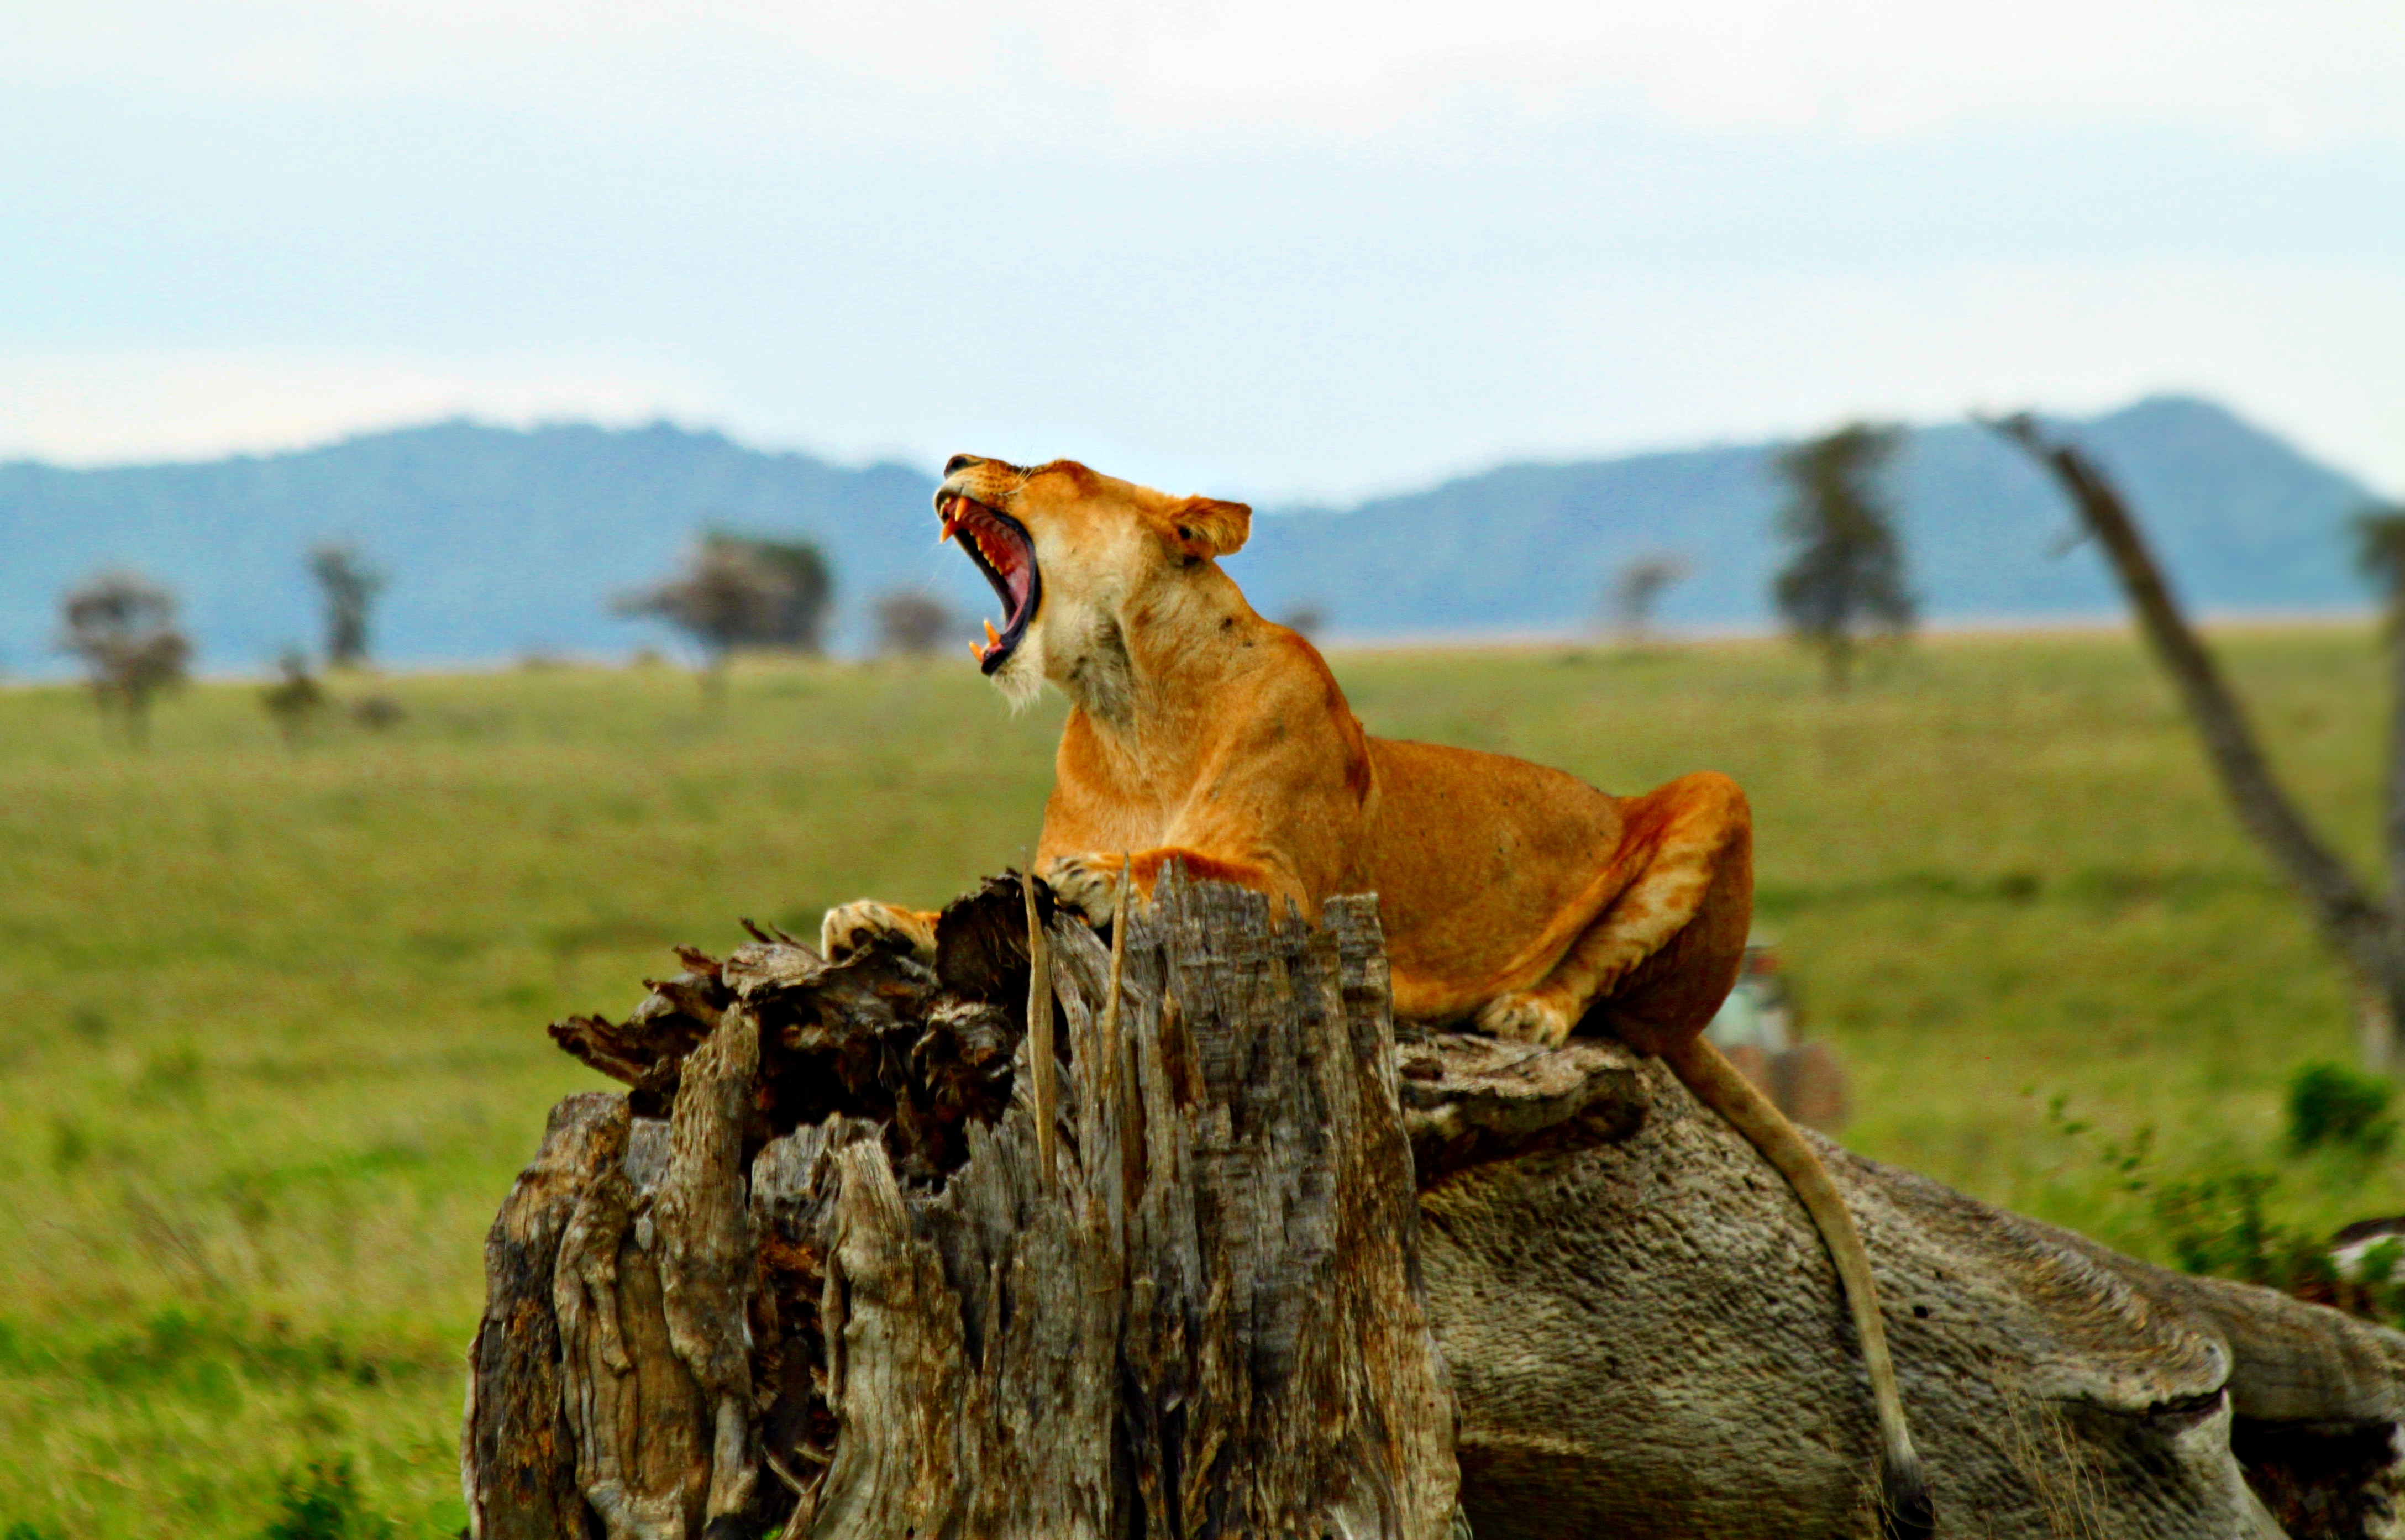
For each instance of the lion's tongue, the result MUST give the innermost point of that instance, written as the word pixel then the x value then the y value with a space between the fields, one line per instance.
pixel 1019 577
pixel 1002 552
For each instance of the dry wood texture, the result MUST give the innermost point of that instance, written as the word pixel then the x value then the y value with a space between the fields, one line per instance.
pixel 1647 1339
pixel 835 1289
pixel 839 1290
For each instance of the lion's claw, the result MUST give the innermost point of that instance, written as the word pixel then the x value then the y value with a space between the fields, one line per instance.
pixel 1525 1018
pixel 1088 884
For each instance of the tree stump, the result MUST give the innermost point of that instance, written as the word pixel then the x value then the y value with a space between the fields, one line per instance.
pixel 1205 1321
pixel 1296 1274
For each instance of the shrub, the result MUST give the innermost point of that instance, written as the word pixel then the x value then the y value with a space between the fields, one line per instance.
pixel 2329 1104
pixel 319 1501
pixel 2217 1225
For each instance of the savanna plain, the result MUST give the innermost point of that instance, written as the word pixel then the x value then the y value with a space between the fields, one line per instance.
pixel 272 1042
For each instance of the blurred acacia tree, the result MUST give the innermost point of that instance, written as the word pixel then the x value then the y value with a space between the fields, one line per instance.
pixel 124 629
pixel 736 592
pixel 2366 929
pixel 295 699
pixel 349 587
pixel 912 623
pixel 799 620
pixel 1629 599
pixel 1845 575
pixel 1306 620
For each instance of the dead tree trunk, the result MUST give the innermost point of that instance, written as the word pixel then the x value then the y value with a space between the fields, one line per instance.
pixel 1296 1277
pixel 1207 1322
pixel 2366 932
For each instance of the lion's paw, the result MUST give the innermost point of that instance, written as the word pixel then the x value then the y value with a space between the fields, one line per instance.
pixel 1088 884
pixel 851 927
pixel 1525 1018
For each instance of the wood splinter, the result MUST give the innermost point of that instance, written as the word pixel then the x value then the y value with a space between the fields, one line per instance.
pixel 1043 1089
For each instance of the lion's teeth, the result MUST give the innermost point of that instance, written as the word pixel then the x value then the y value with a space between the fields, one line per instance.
pixel 992 638
pixel 976 651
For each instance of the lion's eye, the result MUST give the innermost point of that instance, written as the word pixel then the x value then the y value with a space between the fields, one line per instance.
pixel 1184 533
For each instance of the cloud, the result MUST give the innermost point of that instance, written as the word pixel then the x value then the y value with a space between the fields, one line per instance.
pixel 1187 74
pixel 1380 242
pixel 111 406
pixel 1608 361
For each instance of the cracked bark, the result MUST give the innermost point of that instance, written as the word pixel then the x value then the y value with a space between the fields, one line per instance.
pixel 848 1298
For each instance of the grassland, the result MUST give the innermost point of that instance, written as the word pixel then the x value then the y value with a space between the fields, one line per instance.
pixel 272 1047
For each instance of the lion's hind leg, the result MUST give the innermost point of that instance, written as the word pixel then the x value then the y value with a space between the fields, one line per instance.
pixel 1654 967
pixel 1662 952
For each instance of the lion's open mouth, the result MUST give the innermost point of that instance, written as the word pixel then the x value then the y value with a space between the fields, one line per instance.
pixel 1000 546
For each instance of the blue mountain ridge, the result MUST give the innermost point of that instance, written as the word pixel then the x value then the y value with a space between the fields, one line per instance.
pixel 2242 521
pixel 503 542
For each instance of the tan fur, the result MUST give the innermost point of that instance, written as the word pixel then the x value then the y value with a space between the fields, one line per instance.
pixel 1513 896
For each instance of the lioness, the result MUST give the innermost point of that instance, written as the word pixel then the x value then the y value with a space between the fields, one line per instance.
pixel 1514 897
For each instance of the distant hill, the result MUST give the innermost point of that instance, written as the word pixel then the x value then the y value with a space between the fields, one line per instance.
pixel 503 542
pixel 2245 522
pixel 499 542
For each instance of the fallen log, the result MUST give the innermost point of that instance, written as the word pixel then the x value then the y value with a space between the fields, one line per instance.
pixel 1646 1339
pixel 1296 1275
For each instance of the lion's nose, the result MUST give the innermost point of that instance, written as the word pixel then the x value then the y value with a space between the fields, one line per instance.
pixel 959 463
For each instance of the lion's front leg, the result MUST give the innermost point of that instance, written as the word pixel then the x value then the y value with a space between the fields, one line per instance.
pixel 850 928
pixel 1089 882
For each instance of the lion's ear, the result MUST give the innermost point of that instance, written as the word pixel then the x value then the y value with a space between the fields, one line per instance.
pixel 1206 526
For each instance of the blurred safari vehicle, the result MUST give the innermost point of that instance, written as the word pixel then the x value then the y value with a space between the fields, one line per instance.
pixel 1757 1029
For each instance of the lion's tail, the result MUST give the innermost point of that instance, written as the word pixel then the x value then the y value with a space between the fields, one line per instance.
pixel 1910 1511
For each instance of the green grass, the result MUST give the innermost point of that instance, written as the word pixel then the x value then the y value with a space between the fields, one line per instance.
pixel 272 1047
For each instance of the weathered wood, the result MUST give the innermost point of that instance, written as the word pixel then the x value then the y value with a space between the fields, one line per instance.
pixel 1223 1317
pixel 707 1262
pixel 517 1457
pixel 1209 1322
pixel 1206 1322
pixel 1469 1101
pixel 640 1422
pixel 1042 1062
pixel 1646 1339
pixel 1277 1218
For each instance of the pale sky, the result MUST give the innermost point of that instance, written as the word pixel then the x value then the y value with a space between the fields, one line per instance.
pixel 1247 248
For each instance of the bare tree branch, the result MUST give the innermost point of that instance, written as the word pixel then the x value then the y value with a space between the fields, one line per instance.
pixel 2379 552
pixel 2364 930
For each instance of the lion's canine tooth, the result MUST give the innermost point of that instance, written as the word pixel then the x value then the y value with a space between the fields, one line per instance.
pixel 991 639
pixel 976 651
